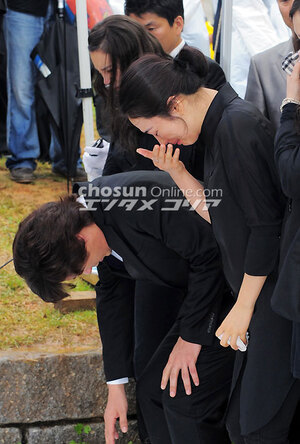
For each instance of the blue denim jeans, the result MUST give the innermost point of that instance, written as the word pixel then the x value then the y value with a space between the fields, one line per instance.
pixel 22 34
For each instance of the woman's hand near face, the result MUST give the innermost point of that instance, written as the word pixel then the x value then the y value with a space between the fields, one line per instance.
pixel 293 83
pixel 191 188
pixel 163 158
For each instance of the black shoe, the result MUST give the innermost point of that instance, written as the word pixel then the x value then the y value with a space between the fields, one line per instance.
pixel 80 174
pixel 22 175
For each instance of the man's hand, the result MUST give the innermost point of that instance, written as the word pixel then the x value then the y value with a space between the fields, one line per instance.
pixel 116 408
pixel 163 158
pixel 182 358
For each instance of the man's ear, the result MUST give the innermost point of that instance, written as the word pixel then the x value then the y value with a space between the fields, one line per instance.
pixel 81 236
pixel 178 23
pixel 175 105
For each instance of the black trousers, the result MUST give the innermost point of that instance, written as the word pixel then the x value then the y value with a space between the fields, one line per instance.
pixel 282 429
pixel 197 418
pixel 155 311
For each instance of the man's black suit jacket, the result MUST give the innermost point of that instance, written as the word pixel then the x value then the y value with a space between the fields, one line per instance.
pixel 170 248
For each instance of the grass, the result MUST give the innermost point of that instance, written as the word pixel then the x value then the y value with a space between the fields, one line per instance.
pixel 27 321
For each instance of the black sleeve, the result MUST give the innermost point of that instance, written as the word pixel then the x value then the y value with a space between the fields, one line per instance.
pixel 247 152
pixel 119 160
pixel 191 237
pixel 287 152
pixel 188 235
pixel 113 163
pixel 115 313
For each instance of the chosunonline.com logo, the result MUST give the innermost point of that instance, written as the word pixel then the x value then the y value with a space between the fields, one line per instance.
pixel 141 198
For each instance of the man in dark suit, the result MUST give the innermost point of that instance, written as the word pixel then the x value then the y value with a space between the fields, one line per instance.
pixel 140 225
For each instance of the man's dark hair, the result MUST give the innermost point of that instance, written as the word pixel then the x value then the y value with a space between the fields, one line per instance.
pixel 46 249
pixel 168 9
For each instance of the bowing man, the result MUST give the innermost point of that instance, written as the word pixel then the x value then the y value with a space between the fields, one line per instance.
pixel 135 225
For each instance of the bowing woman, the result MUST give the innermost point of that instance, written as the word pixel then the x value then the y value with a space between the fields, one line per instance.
pixel 167 99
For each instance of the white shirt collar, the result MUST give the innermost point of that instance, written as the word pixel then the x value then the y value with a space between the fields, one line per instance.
pixel 81 200
pixel 178 48
pixel 116 255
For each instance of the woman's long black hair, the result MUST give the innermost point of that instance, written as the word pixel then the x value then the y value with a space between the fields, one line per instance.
pixel 125 41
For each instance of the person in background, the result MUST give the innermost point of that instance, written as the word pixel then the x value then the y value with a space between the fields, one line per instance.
pixel 165 19
pixel 24 24
pixel 162 18
pixel 286 296
pixel 194 31
pixel 167 99
pixel 3 95
pixel 252 32
pixel 114 43
pixel 266 80
pixel 283 31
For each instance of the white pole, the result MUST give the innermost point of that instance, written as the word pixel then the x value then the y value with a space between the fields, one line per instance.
pixel 85 70
pixel 226 37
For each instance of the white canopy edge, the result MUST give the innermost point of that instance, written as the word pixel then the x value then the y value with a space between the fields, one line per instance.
pixel 226 37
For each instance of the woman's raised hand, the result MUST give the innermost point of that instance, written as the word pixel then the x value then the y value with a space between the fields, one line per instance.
pixel 163 158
